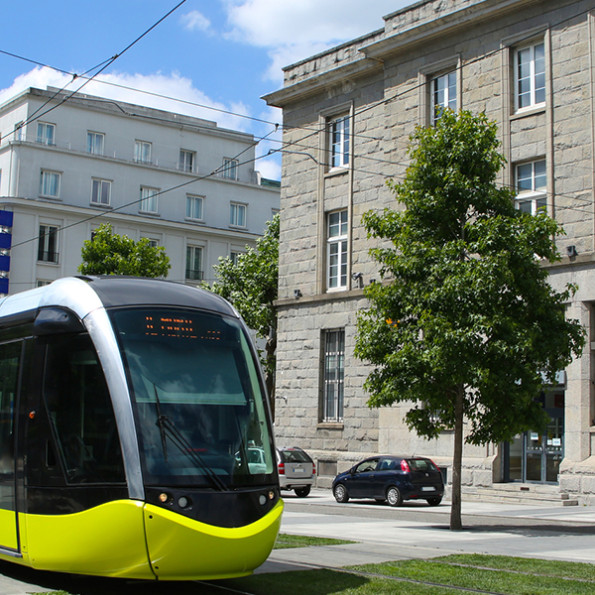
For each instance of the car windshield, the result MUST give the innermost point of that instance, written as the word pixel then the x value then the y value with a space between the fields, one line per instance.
pixel 198 401
pixel 295 456
pixel 421 465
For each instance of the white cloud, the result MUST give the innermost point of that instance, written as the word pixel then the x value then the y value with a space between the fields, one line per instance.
pixel 293 30
pixel 158 89
pixel 195 21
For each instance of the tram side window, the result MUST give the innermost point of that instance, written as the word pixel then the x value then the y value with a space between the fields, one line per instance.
pixel 81 413
pixel 9 368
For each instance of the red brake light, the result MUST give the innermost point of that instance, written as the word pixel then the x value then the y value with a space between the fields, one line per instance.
pixel 281 468
pixel 405 466
pixel 313 469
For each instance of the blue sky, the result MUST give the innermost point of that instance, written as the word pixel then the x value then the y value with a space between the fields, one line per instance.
pixel 224 54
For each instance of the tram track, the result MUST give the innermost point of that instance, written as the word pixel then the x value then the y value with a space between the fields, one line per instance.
pixel 363 574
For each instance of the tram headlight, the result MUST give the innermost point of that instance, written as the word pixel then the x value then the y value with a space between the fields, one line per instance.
pixel 183 502
pixel 163 497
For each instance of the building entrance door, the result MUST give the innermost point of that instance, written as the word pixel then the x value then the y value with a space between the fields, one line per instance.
pixel 535 456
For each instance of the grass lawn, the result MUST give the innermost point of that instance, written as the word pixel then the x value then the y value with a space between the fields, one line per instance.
pixel 447 575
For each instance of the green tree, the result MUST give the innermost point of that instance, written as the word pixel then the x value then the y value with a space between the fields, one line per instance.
pixel 111 254
pixel 250 284
pixel 464 324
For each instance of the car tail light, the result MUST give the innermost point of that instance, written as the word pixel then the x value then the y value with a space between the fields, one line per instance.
pixel 313 469
pixel 405 466
pixel 281 468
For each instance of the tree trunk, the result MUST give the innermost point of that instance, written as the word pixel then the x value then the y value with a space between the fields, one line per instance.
pixel 457 461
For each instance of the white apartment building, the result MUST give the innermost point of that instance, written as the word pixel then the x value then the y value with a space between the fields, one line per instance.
pixel 66 166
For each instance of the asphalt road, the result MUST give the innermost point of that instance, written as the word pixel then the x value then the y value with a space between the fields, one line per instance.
pixel 381 533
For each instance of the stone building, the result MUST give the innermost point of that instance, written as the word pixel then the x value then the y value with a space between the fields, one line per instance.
pixel 70 163
pixel 348 113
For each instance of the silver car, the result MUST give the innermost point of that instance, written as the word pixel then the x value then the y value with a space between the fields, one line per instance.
pixel 297 470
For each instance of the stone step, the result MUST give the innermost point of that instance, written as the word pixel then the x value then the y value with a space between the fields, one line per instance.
pixel 514 493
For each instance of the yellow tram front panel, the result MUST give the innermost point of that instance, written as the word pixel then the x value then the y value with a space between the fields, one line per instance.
pixel 182 549
pixel 107 540
pixel 8 529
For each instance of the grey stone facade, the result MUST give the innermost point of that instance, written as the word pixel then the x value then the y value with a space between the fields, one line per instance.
pixel 383 83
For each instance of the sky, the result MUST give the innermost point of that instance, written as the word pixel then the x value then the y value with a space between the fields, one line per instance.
pixel 221 54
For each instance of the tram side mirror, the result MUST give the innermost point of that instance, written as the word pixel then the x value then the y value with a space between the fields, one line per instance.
pixel 56 321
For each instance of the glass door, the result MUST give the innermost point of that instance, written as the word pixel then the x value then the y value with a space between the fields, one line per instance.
pixel 535 456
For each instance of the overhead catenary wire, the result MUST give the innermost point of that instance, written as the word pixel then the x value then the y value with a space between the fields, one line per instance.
pixel 286 145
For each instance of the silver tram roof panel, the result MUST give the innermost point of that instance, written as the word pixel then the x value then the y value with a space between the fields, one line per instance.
pixel 83 295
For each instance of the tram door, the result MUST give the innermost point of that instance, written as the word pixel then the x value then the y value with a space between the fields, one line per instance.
pixel 10 356
pixel 535 456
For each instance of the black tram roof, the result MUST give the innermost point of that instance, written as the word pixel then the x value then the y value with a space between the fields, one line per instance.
pixel 84 294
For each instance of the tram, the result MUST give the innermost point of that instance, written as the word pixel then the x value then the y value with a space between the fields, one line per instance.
pixel 128 411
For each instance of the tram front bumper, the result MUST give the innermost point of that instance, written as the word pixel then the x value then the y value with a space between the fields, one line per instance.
pixel 184 549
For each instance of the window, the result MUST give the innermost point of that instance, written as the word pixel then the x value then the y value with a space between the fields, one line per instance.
pixel 95 143
pixel 49 184
pixel 101 192
pixel 194 270
pixel 142 151
pixel 237 214
pixel 46 133
pixel 334 366
pixel 444 94
pixel 339 142
pixel 80 412
pixel 47 249
pixel 529 65
pixel 18 131
pixel 337 250
pixel 531 186
pixel 194 207
pixel 148 199
pixel 234 256
pixel 230 168
pixel 187 160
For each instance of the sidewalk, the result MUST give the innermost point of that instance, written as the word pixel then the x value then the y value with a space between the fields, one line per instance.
pixel 557 533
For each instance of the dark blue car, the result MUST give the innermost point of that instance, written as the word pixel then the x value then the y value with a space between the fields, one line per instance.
pixel 391 479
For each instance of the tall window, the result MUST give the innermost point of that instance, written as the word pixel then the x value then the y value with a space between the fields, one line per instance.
pixel 50 183
pixel 334 371
pixel 194 207
pixel 237 214
pixel 444 94
pixel 194 269
pixel 142 151
pixel 339 141
pixel 531 186
pixel 148 199
pixel 101 192
pixel 230 168
pixel 95 143
pixel 186 160
pixel 47 249
pixel 529 65
pixel 46 133
pixel 337 250
pixel 19 131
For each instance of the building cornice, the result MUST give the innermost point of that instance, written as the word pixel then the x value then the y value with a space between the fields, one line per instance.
pixel 404 38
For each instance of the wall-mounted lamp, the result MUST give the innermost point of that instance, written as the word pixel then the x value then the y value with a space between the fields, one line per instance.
pixel 359 278
pixel 571 251
pixel 297 293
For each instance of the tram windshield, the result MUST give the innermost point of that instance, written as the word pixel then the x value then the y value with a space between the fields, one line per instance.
pixel 198 401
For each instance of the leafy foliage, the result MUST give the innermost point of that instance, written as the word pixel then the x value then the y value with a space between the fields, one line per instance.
pixel 111 254
pixel 468 292
pixel 250 284
pixel 464 324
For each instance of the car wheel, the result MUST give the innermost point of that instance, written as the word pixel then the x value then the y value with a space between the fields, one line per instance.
pixel 393 496
pixel 435 501
pixel 340 493
pixel 302 492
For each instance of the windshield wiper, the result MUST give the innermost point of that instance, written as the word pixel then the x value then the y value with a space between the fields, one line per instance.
pixel 167 427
